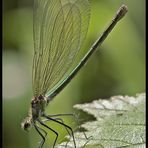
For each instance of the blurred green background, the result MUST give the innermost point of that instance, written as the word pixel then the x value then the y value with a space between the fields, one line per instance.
pixel 119 69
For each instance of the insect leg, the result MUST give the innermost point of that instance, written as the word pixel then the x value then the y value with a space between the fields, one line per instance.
pixel 43 137
pixel 64 127
pixel 50 130
pixel 77 121
pixel 72 133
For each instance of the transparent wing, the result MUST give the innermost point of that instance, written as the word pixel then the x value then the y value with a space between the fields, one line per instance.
pixel 60 27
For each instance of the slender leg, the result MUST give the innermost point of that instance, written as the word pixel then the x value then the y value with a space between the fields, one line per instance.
pixel 74 116
pixel 72 133
pixel 64 127
pixel 77 121
pixel 61 121
pixel 51 130
pixel 57 115
pixel 43 137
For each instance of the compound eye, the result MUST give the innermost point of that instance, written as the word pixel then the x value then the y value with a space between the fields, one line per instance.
pixel 26 125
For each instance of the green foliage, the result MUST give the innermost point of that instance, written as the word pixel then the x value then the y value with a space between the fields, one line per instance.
pixel 120 122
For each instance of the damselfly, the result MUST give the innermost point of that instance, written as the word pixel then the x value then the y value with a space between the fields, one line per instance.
pixel 59 29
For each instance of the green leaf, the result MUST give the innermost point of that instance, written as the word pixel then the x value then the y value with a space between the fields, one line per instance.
pixel 120 122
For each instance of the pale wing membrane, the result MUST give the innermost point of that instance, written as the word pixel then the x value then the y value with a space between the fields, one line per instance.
pixel 45 12
pixel 70 35
pixel 62 28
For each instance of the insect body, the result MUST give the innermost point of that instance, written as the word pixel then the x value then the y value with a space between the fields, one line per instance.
pixel 59 29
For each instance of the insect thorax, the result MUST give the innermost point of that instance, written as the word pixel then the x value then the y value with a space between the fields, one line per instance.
pixel 38 105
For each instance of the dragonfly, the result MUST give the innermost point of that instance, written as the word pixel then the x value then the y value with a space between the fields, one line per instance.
pixel 59 31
